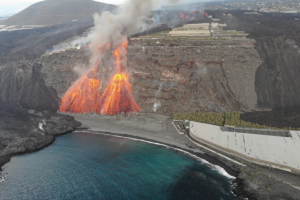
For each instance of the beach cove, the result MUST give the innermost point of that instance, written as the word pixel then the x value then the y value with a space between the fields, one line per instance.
pixel 159 130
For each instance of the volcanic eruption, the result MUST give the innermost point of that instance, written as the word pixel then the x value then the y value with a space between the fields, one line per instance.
pixel 85 96
pixel 110 30
pixel 117 97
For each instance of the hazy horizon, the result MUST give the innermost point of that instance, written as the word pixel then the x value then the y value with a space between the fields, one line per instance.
pixel 8 8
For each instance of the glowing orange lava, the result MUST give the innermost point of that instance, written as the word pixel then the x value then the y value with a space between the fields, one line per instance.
pixel 83 96
pixel 117 97
pixel 182 16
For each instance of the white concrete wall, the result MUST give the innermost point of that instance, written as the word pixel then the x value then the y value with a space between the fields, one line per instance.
pixel 281 150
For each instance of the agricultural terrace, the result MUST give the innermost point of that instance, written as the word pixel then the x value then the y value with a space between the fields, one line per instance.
pixel 219 119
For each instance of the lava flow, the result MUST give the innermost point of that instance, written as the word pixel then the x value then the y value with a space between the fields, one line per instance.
pixel 117 97
pixel 83 96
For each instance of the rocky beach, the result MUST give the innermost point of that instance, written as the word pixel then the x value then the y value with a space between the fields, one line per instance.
pixel 159 129
pixel 256 74
pixel 28 111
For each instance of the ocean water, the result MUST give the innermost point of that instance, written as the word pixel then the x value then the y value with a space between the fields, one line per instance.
pixel 94 166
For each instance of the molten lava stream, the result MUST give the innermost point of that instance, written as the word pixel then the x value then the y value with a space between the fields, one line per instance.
pixel 117 97
pixel 83 96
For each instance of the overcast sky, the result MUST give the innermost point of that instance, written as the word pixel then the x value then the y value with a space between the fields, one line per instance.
pixel 14 6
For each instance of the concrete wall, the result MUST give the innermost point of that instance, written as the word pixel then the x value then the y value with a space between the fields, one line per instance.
pixel 280 152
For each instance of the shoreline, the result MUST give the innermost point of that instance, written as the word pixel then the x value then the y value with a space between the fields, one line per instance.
pixel 250 182
pixel 203 157
pixel 168 136
pixel 5 159
pixel 158 129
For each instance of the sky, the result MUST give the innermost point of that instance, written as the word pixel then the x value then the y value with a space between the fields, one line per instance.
pixel 14 6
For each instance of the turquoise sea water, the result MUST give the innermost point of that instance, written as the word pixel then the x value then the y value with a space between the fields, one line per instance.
pixel 94 166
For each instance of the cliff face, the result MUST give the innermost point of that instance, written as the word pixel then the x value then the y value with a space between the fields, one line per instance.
pixel 277 79
pixel 22 84
pixel 22 132
pixel 277 43
pixel 221 75
pixel 181 76
pixel 27 111
pixel 59 68
pixel 173 76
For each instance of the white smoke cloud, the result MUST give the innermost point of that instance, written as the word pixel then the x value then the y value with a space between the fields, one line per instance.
pixel 201 70
pixel 115 28
pixel 157 104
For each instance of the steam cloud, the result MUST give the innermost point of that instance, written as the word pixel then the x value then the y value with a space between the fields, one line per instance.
pixel 115 29
pixel 157 104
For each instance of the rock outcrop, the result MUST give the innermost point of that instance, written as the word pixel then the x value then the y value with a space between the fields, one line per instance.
pixel 278 45
pixel 28 118
pixel 277 79
pixel 171 76
pixel 22 84
pixel 185 76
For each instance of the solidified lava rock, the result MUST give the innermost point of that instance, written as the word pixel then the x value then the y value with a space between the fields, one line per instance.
pixel 28 119
pixel 22 84
pixel 278 44
pixel 284 118
pixel 188 76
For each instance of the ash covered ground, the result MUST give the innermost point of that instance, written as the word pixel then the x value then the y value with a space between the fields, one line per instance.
pixel 252 74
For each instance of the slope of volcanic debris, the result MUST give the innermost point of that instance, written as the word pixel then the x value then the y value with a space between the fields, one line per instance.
pixel 22 84
pixel 177 75
pixel 85 94
pixel 32 43
pixel 117 97
pixel 28 119
pixel 278 44
pixel 183 75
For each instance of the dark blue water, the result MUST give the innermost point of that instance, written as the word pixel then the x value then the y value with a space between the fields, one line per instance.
pixel 92 166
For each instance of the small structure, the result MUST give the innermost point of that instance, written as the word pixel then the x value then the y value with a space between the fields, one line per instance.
pixel 191 30
pixel 216 20
pixel 216 27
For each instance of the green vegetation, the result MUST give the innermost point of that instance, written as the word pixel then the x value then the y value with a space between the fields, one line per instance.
pixel 157 34
pixel 208 118
pixel 193 38
pixel 233 119
pixel 219 119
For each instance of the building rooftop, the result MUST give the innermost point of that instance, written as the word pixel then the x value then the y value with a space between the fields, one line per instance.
pixel 272 150
pixel 191 30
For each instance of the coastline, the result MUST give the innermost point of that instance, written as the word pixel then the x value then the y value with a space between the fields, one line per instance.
pixel 167 135
pixel 53 126
pixel 204 158
pixel 158 129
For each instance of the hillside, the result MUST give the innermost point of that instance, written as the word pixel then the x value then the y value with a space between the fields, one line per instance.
pixel 277 42
pixel 32 43
pixel 52 12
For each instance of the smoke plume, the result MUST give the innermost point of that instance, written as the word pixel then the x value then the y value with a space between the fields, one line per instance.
pixel 157 103
pixel 115 28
